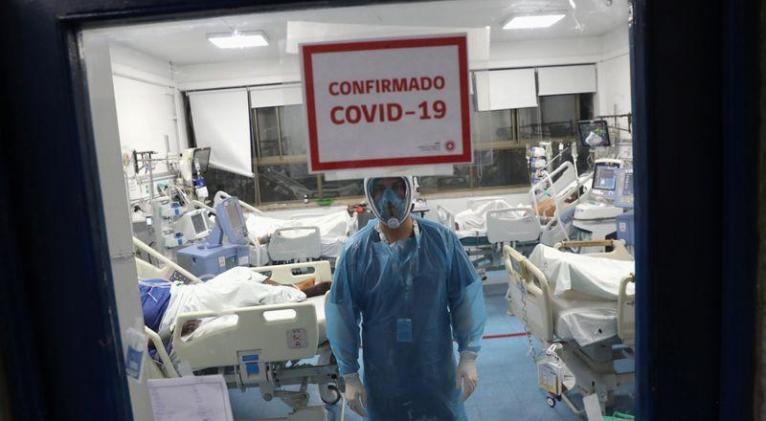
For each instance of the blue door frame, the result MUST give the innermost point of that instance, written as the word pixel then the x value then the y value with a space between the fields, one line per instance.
pixel 695 106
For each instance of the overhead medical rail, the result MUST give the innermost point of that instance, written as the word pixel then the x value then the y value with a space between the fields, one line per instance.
pixel 154 253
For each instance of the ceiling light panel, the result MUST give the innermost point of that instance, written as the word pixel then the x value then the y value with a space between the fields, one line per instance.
pixel 239 39
pixel 536 21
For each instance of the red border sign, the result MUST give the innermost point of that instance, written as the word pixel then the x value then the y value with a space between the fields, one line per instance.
pixel 308 51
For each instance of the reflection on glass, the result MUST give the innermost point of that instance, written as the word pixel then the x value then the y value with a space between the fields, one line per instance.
pixel 342 188
pixel 292 123
pixel 288 182
pixel 559 114
pixel 460 180
pixel 504 167
pixel 493 126
pixel 529 123
pixel 267 131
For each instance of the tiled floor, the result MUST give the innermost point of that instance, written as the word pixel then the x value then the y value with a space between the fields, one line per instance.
pixel 507 387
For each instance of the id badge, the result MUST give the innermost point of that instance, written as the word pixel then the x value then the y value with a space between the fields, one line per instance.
pixel 404 330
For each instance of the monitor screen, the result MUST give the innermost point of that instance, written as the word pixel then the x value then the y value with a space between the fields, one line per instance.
pixel 593 133
pixel 199 223
pixel 605 178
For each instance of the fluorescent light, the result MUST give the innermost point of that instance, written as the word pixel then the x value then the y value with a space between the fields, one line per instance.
pixel 239 39
pixel 526 22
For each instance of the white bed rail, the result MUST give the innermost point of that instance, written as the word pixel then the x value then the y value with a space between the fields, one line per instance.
pixel 531 297
pixel 286 274
pixel 167 363
pixel 619 252
pixel 626 312
pixel 157 255
pixel 507 226
pixel 279 332
pixel 294 243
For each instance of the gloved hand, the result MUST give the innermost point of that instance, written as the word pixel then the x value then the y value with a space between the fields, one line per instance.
pixel 355 394
pixel 466 376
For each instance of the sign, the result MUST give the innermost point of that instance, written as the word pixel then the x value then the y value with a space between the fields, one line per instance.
pixel 190 398
pixel 387 103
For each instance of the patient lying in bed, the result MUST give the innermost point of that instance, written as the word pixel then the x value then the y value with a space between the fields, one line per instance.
pixel 162 301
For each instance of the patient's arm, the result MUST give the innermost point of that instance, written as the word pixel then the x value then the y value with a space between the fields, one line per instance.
pixel 308 283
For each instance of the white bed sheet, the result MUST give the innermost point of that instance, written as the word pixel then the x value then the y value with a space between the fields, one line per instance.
pixel 596 277
pixel 585 322
pixel 475 219
pixel 333 228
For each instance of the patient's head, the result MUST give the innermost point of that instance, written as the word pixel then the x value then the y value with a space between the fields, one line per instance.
pixel 190 326
pixel 318 289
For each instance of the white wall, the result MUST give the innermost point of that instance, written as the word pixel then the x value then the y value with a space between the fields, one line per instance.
pixel 238 73
pixel 545 52
pixel 148 103
pixel 613 71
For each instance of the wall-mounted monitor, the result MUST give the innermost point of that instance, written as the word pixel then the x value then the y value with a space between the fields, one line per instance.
pixel 593 133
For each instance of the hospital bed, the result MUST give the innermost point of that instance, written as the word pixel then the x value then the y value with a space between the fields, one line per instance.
pixel 307 236
pixel 546 219
pixel 553 200
pixel 493 222
pixel 260 346
pixel 584 316
pixel 471 228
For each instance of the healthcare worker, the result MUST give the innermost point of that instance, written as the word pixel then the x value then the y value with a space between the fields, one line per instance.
pixel 410 284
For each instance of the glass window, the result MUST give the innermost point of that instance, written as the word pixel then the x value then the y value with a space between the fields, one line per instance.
pixel 559 115
pixel 267 131
pixel 286 183
pixel 460 180
pixel 501 167
pixel 283 174
pixel 529 124
pixel 342 188
pixel 493 126
pixel 292 124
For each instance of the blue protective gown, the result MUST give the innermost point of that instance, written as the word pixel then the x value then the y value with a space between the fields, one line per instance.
pixel 411 298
